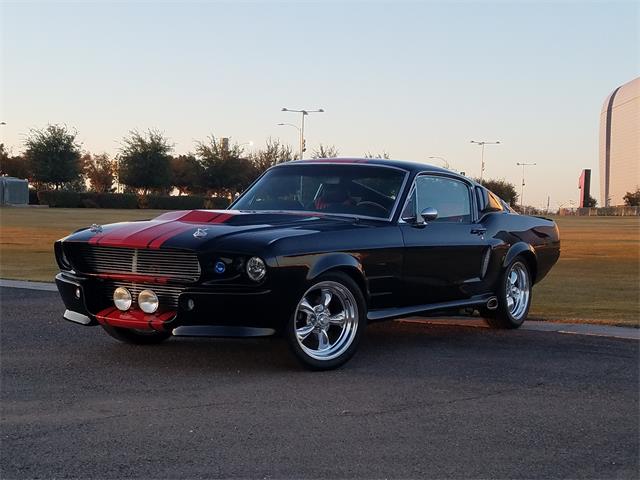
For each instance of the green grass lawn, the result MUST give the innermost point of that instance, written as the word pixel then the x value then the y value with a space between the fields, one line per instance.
pixel 597 279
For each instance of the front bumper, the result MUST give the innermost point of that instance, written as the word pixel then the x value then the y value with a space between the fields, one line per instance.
pixel 197 306
pixel 73 295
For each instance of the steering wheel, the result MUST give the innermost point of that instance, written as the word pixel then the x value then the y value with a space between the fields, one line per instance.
pixel 369 203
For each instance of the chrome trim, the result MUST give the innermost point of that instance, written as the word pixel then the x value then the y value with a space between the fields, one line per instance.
pixel 464 180
pixel 180 265
pixel 307 162
pixel 221 331
pixel 326 320
pixel 399 312
pixel 167 294
pixel 60 276
pixel 76 317
pixel 492 304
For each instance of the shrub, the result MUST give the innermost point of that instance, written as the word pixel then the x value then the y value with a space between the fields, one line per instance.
pixel 216 203
pixel 33 197
pixel 115 200
pixel 63 199
pixel 66 199
pixel 171 203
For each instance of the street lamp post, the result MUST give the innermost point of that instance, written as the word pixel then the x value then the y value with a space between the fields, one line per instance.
pixel 482 144
pixel 522 190
pixel 442 159
pixel 304 114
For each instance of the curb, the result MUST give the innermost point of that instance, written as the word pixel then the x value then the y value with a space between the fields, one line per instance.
pixel 44 286
pixel 566 328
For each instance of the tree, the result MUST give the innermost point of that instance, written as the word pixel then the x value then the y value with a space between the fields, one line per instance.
pixel 591 202
pixel 632 199
pixel 505 190
pixel 54 155
pixel 225 172
pixel 101 172
pixel 273 153
pixel 13 166
pixel 383 155
pixel 145 161
pixel 325 151
pixel 186 174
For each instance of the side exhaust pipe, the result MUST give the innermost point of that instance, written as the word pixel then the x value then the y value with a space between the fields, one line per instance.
pixel 492 303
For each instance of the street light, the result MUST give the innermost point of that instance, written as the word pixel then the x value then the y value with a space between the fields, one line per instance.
pixel 301 130
pixel 522 191
pixel 482 144
pixel 443 160
pixel 289 125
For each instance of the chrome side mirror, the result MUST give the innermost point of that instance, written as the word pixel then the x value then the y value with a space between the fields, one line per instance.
pixel 428 215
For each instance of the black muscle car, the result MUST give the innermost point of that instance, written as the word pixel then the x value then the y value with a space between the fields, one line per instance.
pixel 314 250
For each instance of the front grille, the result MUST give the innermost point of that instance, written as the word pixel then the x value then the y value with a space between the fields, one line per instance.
pixel 175 264
pixel 167 294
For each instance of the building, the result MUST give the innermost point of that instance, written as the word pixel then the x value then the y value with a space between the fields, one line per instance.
pixel 620 144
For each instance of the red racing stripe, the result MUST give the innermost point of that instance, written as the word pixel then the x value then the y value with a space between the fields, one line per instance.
pixel 131 277
pixel 134 318
pixel 177 230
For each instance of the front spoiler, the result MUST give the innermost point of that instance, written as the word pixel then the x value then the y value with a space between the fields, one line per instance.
pixel 237 315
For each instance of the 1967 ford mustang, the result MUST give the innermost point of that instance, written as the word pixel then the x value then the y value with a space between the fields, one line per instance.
pixel 314 250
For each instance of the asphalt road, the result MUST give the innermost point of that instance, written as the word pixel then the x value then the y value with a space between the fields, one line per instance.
pixel 416 401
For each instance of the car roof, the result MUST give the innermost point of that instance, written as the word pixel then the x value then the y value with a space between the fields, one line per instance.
pixel 410 166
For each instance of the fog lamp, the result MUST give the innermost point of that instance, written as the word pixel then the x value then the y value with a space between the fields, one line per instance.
pixel 148 301
pixel 256 269
pixel 122 299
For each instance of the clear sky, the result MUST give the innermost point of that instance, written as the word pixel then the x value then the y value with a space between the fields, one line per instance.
pixel 415 79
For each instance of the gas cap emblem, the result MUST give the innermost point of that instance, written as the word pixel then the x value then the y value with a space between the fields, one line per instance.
pixel 200 233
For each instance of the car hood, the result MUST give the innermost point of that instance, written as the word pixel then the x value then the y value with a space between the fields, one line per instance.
pixel 202 230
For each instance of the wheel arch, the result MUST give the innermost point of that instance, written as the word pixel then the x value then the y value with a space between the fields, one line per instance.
pixel 528 253
pixel 341 262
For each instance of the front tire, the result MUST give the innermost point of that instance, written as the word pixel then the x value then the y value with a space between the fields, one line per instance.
pixel 328 322
pixel 514 297
pixel 136 337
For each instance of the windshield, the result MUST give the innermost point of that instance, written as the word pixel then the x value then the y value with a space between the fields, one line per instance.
pixel 359 190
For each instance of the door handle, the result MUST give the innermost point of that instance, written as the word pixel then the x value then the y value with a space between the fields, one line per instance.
pixel 479 230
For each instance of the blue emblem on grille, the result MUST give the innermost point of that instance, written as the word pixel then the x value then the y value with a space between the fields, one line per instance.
pixel 220 267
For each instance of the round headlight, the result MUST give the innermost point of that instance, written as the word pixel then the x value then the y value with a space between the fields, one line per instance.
pixel 256 269
pixel 148 301
pixel 122 299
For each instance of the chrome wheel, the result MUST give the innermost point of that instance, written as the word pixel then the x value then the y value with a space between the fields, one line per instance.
pixel 326 320
pixel 518 290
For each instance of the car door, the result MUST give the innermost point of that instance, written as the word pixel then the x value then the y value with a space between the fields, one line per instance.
pixel 443 258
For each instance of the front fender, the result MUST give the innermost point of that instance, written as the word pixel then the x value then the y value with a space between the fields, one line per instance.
pixel 332 261
pixel 344 262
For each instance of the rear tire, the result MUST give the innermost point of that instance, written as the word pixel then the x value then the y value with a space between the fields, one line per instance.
pixel 514 297
pixel 136 337
pixel 328 322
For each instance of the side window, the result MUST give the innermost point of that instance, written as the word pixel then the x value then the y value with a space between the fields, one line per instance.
pixel 494 202
pixel 448 196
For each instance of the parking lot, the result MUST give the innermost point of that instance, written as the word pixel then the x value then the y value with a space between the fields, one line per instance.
pixel 417 400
